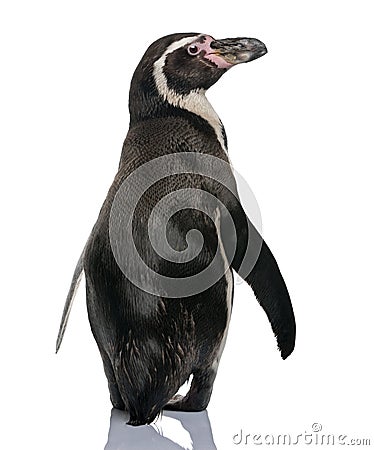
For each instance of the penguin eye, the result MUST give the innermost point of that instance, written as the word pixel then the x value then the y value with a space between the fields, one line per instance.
pixel 193 50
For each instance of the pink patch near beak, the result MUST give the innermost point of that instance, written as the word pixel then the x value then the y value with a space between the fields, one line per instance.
pixel 211 56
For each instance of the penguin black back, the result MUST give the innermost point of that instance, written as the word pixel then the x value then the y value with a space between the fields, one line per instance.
pixel 153 329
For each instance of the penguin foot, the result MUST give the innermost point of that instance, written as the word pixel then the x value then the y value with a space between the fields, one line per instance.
pixel 174 403
pixel 136 422
pixel 180 403
pixel 197 398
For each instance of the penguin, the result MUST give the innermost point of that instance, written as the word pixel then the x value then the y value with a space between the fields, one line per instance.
pixel 151 339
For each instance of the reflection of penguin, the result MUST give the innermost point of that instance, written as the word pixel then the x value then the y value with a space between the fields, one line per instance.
pixel 150 345
pixel 175 431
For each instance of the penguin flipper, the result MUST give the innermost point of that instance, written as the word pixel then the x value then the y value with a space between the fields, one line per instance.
pixel 77 276
pixel 266 281
pixel 271 292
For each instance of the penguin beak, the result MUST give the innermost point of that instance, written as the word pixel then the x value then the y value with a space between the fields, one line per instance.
pixel 236 51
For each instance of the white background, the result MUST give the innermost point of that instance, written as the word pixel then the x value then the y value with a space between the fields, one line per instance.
pixel 300 129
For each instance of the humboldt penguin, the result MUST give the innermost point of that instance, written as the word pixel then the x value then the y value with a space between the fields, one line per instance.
pixel 153 336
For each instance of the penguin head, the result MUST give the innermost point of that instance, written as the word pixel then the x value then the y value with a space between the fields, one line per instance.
pixel 180 64
pixel 198 61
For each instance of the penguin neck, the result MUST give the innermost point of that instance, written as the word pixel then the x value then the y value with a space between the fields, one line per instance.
pixel 155 99
pixel 195 102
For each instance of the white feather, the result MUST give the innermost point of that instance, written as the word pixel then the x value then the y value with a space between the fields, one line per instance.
pixel 195 101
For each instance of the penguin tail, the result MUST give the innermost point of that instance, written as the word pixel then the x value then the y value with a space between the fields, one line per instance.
pixel 271 292
pixel 77 276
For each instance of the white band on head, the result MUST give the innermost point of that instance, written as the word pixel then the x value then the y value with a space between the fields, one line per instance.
pixel 195 101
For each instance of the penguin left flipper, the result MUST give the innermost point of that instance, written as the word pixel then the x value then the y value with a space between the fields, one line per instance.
pixel 77 276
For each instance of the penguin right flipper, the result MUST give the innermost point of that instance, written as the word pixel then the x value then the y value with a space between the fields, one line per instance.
pixel 265 280
pixel 77 276
pixel 271 292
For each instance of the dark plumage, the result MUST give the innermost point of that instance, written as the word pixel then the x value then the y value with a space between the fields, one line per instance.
pixel 151 344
